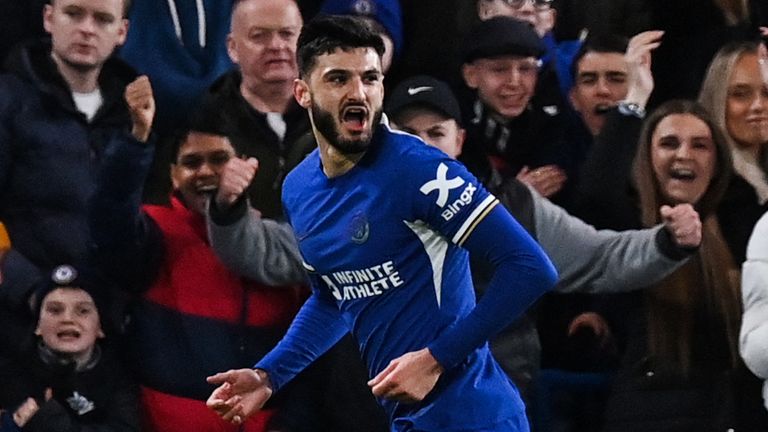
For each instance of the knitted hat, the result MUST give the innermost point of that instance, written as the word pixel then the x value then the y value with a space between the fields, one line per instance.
pixel 66 276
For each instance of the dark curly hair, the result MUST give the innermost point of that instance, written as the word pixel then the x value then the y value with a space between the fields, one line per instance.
pixel 327 33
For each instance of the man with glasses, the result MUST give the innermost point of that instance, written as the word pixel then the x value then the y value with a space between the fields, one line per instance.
pixel 538 13
pixel 510 125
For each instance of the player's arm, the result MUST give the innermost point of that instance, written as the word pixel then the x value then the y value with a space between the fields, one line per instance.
pixel 522 273
pixel 317 327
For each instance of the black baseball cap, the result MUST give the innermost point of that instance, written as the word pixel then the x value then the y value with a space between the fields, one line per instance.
pixel 423 91
pixel 502 35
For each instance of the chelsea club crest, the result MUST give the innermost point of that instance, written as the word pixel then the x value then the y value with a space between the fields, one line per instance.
pixel 359 228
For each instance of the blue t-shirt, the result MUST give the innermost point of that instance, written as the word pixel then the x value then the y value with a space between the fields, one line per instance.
pixel 382 245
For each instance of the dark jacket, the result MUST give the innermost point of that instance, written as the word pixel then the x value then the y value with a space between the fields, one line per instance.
pixel 534 138
pixel 250 135
pixel 178 64
pixel 738 213
pixel 100 398
pixel 49 158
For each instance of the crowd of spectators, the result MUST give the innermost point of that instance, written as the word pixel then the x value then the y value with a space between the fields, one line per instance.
pixel 141 141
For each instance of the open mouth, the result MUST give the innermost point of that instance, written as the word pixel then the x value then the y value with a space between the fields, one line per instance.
pixel 682 174
pixel 68 335
pixel 354 117
pixel 206 189
pixel 602 108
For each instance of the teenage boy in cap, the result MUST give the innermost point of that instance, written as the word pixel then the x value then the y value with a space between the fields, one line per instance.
pixel 608 261
pixel 540 14
pixel 506 128
pixel 66 378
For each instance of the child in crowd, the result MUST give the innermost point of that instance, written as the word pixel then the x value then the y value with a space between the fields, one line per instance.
pixel 64 377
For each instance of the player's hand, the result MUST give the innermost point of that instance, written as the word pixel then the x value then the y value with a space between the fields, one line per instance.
pixel 25 412
pixel 408 378
pixel 141 105
pixel 638 58
pixel 683 223
pixel 546 180
pixel 240 394
pixel 234 179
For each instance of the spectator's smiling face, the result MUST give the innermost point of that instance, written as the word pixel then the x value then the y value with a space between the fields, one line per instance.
pixel 747 103
pixel 344 93
pixel 506 83
pixel 69 322
pixel 263 40
pixel 683 157
pixel 85 32
pixel 198 166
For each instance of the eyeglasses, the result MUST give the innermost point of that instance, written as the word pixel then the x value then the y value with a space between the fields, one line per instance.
pixel 538 4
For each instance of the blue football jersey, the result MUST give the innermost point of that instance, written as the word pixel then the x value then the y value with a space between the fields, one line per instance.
pixel 382 243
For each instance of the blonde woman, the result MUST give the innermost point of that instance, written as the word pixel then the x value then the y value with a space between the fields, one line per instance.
pixel 735 92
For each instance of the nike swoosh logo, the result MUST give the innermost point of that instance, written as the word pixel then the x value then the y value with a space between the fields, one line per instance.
pixel 414 90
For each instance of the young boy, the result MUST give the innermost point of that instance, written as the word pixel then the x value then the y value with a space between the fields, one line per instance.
pixel 65 378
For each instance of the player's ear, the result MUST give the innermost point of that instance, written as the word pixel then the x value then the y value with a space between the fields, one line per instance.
pixel 301 93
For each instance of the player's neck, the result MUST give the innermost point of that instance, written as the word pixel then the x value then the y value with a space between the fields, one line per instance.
pixel 335 163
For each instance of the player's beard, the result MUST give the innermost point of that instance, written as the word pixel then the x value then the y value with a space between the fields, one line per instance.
pixel 326 125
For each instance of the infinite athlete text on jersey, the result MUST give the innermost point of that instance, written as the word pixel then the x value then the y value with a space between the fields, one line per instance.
pixel 362 283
